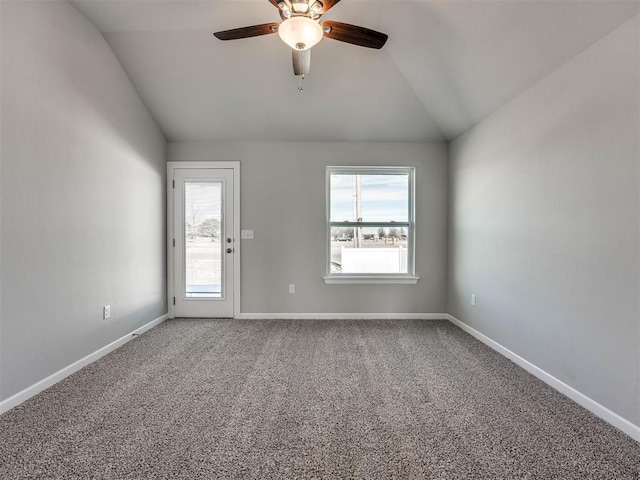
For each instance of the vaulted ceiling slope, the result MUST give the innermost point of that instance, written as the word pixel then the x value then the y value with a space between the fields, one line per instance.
pixel 446 66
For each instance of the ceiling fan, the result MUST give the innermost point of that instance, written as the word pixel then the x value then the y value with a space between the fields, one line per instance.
pixel 301 29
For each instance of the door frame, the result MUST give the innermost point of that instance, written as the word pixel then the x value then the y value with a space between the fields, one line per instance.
pixel 171 168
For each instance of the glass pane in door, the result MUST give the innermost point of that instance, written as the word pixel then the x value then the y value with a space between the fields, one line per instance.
pixel 203 239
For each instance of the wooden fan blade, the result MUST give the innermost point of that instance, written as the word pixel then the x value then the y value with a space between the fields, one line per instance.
pixel 353 34
pixel 326 5
pixel 301 61
pixel 275 3
pixel 246 32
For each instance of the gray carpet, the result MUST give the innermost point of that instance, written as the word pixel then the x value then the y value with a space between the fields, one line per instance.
pixel 207 399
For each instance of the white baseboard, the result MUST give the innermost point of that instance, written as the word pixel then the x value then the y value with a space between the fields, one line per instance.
pixel 54 378
pixel 580 398
pixel 342 316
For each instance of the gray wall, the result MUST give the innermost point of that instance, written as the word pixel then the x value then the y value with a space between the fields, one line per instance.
pixel 283 200
pixel 82 195
pixel 544 224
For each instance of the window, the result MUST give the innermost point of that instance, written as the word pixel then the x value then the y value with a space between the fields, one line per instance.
pixel 370 225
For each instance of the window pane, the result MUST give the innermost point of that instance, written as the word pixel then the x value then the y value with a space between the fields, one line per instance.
pixel 369 198
pixel 369 250
pixel 203 245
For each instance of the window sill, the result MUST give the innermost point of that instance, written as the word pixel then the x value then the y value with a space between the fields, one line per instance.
pixel 371 279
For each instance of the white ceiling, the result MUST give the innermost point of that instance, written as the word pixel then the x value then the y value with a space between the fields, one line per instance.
pixel 446 66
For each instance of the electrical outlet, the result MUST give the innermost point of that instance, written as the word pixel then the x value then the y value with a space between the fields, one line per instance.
pixel 246 234
pixel 106 312
pixel 473 299
pixel 292 288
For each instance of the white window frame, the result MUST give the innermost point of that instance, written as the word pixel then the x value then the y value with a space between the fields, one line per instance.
pixel 372 278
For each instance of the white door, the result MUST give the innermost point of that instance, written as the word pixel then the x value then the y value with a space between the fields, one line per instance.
pixel 203 244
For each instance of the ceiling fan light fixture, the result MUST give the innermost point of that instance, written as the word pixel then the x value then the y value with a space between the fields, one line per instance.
pixel 316 7
pixel 300 6
pixel 300 33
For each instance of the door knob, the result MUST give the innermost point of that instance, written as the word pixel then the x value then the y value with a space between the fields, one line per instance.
pixel 229 250
pixel 229 240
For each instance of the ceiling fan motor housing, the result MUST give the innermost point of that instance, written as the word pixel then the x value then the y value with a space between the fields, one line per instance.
pixel 308 8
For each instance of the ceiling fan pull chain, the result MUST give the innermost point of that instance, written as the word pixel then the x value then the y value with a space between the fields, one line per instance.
pixel 301 76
